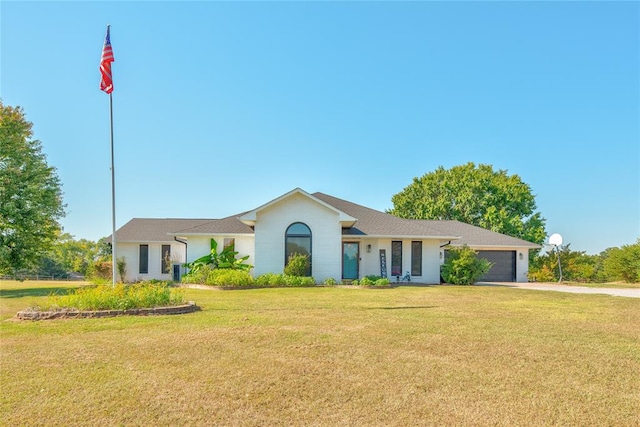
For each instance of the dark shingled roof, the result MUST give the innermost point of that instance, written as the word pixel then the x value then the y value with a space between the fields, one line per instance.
pixel 230 224
pixel 154 229
pixel 375 223
pixel 370 222
pixel 478 236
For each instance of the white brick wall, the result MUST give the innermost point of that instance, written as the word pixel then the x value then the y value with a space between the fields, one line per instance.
pixel 272 223
pixel 131 252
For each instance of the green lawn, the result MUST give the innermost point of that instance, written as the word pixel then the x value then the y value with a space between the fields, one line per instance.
pixel 439 355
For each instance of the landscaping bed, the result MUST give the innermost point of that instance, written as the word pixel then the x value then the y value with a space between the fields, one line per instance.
pixel 31 314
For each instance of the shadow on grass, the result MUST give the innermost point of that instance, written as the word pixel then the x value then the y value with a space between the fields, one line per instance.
pixel 32 292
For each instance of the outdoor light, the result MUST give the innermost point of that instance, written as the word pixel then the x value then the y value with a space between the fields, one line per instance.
pixel 521 256
pixel 369 248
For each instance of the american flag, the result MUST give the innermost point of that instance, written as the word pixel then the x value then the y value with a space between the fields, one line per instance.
pixel 106 82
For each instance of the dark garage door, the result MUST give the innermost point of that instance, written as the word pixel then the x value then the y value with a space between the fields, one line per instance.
pixel 504 266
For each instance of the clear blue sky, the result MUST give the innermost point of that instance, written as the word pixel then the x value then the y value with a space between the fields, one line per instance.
pixel 220 107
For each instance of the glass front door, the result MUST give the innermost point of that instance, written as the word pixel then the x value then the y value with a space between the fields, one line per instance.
pixel 350 256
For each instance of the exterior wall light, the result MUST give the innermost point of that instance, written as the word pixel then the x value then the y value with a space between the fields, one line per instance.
pixel 368 248
pixel 521 256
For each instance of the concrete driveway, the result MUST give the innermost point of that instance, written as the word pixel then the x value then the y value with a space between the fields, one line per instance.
pixel 617 292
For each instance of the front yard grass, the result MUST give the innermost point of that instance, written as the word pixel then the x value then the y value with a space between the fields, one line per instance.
pixel 439 355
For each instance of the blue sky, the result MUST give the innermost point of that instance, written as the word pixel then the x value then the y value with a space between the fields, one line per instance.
pixel 220 107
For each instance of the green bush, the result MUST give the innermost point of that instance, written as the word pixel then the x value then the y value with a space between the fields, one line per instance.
pixel 229 277
pixel 372 280
pixel 330 282
pixel 269 280
pixel 284 280
pixel 297 265
pixel 119 297
pixel 198 276
pixel 463 267
pixel 381 282
pixel 298 281
pixel 365 281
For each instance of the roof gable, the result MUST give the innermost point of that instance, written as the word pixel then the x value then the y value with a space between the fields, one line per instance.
pixel 250 217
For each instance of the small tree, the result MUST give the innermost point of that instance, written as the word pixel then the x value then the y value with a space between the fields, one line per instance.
pixel 121 265
pixel 297 265
pixel 463 267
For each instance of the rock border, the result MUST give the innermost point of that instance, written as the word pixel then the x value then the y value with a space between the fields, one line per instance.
pixel 190 307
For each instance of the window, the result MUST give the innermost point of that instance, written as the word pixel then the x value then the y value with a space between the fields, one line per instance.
pixel 298 241
pixel 396 258
pixel 228 241
pixel 416 258
pixel 166 259
pixel 144 259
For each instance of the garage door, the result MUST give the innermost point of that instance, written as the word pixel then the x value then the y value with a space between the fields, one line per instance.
pixel 504 266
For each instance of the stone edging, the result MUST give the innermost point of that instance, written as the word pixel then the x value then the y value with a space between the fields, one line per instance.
pixel 190 307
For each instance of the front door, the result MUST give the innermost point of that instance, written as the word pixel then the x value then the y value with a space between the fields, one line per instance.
pixel 350 257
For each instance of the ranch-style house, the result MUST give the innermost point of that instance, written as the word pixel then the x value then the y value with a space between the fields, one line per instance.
pixel 344 241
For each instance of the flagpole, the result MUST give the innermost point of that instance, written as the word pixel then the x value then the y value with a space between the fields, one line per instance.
pixel 106 84
pixel 113 199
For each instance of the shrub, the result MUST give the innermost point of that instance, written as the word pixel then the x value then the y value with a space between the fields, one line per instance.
pixel 330 282
pixel 229 277
pixel 273 280
pixel 365 281
pixel 298 281
pixel 198 276
pixel 297 265
pixel 381 282
pixel 99 270
pixel 463 267
pixel 269 280
pixel 372 280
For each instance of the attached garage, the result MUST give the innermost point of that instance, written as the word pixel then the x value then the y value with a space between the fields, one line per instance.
pixel 504 266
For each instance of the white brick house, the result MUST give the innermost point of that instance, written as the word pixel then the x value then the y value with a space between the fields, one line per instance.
pixel 344 241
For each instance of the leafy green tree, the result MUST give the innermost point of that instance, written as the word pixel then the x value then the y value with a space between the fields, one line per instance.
pixel 463 267
pixel 476 195
pixel 75 255
pixel 623 263
pixel 30 195
pixel 576 266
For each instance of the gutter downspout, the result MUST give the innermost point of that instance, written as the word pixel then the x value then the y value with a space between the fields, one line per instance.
pixel 186 246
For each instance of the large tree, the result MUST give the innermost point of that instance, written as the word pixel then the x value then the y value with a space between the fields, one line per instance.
pixel 476 195
pixel 30 195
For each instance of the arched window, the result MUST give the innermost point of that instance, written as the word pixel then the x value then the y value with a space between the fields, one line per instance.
pixel 297 240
